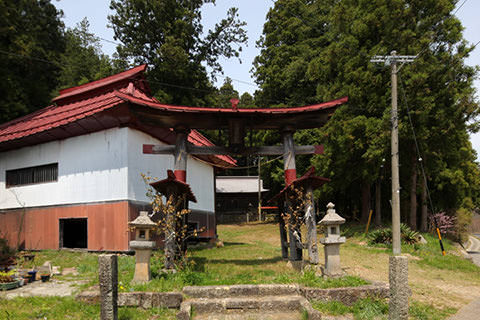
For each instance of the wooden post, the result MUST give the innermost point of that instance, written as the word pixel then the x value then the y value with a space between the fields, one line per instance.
pixel 172 243
pixel 181 154
pixel 311 222
pixel 294 235
pixel 283 232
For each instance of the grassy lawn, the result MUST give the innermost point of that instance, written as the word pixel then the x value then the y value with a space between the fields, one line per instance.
pixel 251 254
pixel 53 308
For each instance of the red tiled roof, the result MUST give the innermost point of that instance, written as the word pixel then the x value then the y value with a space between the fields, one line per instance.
pixel 309 179
pixel 116 78
pixel 88 108
pixel 170 108
pixel 164 185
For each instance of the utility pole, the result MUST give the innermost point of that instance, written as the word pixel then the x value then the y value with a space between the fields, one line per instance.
pixel 392 60
pixel 259 191
pixel 398 265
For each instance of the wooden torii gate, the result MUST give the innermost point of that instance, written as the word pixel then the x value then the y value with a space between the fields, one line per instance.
pixel 237 121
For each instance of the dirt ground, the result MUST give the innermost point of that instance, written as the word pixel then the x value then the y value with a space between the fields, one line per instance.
pixel 442 288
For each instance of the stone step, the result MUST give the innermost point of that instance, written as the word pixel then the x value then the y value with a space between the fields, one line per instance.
pixel 245 305
pixel 242 290
pixel 268 303
pixel 250 316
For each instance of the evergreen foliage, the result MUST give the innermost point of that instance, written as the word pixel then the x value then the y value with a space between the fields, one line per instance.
pixel 83 60
pixel 31 43
pixel 169 36
pixel 321 49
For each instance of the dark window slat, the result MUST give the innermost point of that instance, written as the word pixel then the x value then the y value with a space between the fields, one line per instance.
pixel 32 175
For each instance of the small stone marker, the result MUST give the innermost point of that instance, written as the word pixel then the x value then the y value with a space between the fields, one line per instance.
pixel 332 242
pixel 108 279
pixel 399 290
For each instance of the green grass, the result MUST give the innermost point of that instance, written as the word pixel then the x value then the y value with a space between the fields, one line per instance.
pixel 430 253
pixel 54 308
pixel 378 309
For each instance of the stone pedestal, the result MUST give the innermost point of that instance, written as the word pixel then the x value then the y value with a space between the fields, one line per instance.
pixel 332 267
pixel 108 279
pixel 332 242
pixel 399 290
pixel 143 251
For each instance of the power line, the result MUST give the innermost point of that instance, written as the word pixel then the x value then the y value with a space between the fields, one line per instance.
pixel 459 7
pixel 28 57
pixel 110 41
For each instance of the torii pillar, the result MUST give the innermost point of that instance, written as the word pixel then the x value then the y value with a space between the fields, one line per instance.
pixel 294 235
pixel 172 243
pixel 181 154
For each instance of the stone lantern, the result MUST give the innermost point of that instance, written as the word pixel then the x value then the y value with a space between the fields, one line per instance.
pixel 332 242
pixel 142 245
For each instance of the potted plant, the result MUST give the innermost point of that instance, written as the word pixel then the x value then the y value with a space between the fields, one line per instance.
pixel 7 281
pixel 7 255
pixel 33 275
pixel 45 277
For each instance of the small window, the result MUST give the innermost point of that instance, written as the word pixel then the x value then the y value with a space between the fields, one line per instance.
pixel 333 230
pixel 32 175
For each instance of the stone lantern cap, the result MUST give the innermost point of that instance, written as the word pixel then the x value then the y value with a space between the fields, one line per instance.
pixel 143 221
pixel 331 218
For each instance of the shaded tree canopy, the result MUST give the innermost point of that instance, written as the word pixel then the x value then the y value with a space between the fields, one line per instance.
pixel 169 36
pixel 320 50
pixel 83 60
pixel 31 44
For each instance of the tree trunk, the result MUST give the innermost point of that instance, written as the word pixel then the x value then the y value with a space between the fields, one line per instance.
pixel 365 202
pixel 424 216
pixel 413 194
pixel 378 203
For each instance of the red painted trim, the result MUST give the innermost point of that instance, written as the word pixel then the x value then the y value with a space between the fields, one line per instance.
pixel 181 175
pixel 319 149
pixel 290 176
pixel 148 148
pixel 252 111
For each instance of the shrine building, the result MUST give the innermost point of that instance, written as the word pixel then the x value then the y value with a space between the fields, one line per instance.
pixel 70 174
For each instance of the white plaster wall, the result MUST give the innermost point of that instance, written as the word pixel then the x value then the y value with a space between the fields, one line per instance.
pixel 199 174
pixel 200 177
pixel 102 166
pixel 91 168
pixel 153 165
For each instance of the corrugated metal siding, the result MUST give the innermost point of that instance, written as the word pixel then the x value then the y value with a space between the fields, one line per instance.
pixel 10 227
pixel 107 225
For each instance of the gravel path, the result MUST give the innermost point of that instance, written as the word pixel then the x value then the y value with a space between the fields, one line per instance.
pixel 55 288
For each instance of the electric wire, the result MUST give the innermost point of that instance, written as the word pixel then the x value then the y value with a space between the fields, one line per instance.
pixel 420 160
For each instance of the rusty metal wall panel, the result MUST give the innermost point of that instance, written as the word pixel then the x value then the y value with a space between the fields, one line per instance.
pixel 107 225
pixel 12 228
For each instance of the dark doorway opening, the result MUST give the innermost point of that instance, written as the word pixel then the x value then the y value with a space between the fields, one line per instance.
pixel 73 233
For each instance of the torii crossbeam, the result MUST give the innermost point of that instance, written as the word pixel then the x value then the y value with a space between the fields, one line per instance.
pixel 237 121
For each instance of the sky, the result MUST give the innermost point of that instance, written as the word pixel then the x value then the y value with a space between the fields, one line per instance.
pixel 253 12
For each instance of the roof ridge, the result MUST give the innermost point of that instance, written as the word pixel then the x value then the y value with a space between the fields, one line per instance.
pixel 109 99
pixel 70 92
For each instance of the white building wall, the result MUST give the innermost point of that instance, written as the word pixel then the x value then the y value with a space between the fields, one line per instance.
pixel 199 174
pixel 91 168
pixel 102 166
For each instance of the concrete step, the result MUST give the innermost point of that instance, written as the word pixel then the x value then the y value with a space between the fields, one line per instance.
pixel 267 303
pixel 244 306
pixel 250 316
pixel 242 291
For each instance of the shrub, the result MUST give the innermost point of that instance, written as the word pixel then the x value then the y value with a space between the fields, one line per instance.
pixel 463 221
pixel 384 236
pixel 445 223
pixel 7 254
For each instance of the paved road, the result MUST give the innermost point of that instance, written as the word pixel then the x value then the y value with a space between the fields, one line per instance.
pixel 473 248
pixel 470 311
